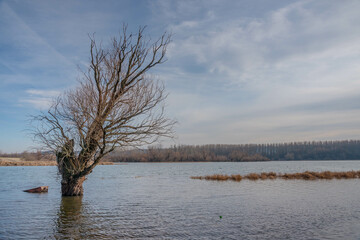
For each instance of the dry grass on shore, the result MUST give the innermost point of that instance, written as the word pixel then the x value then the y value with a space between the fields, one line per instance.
pixel 308 175
pixel 27 163
pixel 20 162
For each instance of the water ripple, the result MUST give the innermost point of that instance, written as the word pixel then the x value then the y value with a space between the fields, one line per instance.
pixel 160 201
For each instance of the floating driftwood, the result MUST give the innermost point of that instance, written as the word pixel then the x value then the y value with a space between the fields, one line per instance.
pixel 308 175
pixel 40 189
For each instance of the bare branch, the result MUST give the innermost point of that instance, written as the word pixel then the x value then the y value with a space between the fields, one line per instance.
pixel 117 104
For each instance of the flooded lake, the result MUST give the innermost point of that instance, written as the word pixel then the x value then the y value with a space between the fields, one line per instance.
pixel 160 201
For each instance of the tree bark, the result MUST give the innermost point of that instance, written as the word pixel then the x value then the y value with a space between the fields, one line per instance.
pixel 72 187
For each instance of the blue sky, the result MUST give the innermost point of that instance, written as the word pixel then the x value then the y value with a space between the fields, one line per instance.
pixel 237 71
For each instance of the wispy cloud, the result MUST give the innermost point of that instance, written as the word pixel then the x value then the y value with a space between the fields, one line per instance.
pixel 237 71
pixel 26 53
pixel 291 46
pixel 290 56
pixel 40 99
pixel 43 93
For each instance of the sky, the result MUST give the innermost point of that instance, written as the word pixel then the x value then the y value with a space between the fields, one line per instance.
pixel 236 71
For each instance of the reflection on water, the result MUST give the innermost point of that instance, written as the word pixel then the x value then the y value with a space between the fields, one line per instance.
pixel 160 201
pixel 70 219
pixel 77 221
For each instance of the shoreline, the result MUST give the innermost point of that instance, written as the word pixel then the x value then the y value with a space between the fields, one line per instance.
pixel 9 162
pixel 15 162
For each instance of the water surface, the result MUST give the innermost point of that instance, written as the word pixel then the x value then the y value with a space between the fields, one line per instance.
pixel 160 201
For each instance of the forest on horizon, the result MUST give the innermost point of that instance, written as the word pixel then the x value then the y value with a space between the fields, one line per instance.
pixel 314 150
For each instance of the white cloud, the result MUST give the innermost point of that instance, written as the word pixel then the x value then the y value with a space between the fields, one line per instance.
pixel 39 99
pixel 257 50
pixel 302 53
pixel 43 93
pixel 37 102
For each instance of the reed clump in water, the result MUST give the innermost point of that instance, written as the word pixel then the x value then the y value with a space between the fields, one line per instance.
pixel 308 175
pixel 252 176
pixel 215 177
pixel 269 175
pixel 236 178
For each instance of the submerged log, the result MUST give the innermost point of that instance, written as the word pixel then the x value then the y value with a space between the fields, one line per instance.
pixel 40 189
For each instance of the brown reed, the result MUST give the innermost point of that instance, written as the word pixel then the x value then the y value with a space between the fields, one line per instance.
pixel 252 176
pixel 307 175
pixel 237 177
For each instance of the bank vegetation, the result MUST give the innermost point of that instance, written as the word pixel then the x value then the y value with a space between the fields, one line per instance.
pixel 37 158
pixel 308 175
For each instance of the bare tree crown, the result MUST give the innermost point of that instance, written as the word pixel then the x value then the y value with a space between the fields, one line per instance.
pixel 117 104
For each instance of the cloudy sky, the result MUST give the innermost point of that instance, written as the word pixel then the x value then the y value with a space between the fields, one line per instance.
pixel 237 71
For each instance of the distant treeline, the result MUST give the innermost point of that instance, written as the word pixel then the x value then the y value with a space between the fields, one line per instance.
pixel 320 150
pixel 183 153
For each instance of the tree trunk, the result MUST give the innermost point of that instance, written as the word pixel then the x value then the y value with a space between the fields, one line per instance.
pixel 72 187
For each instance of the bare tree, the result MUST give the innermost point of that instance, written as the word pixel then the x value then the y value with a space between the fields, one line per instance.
pixel 117 104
